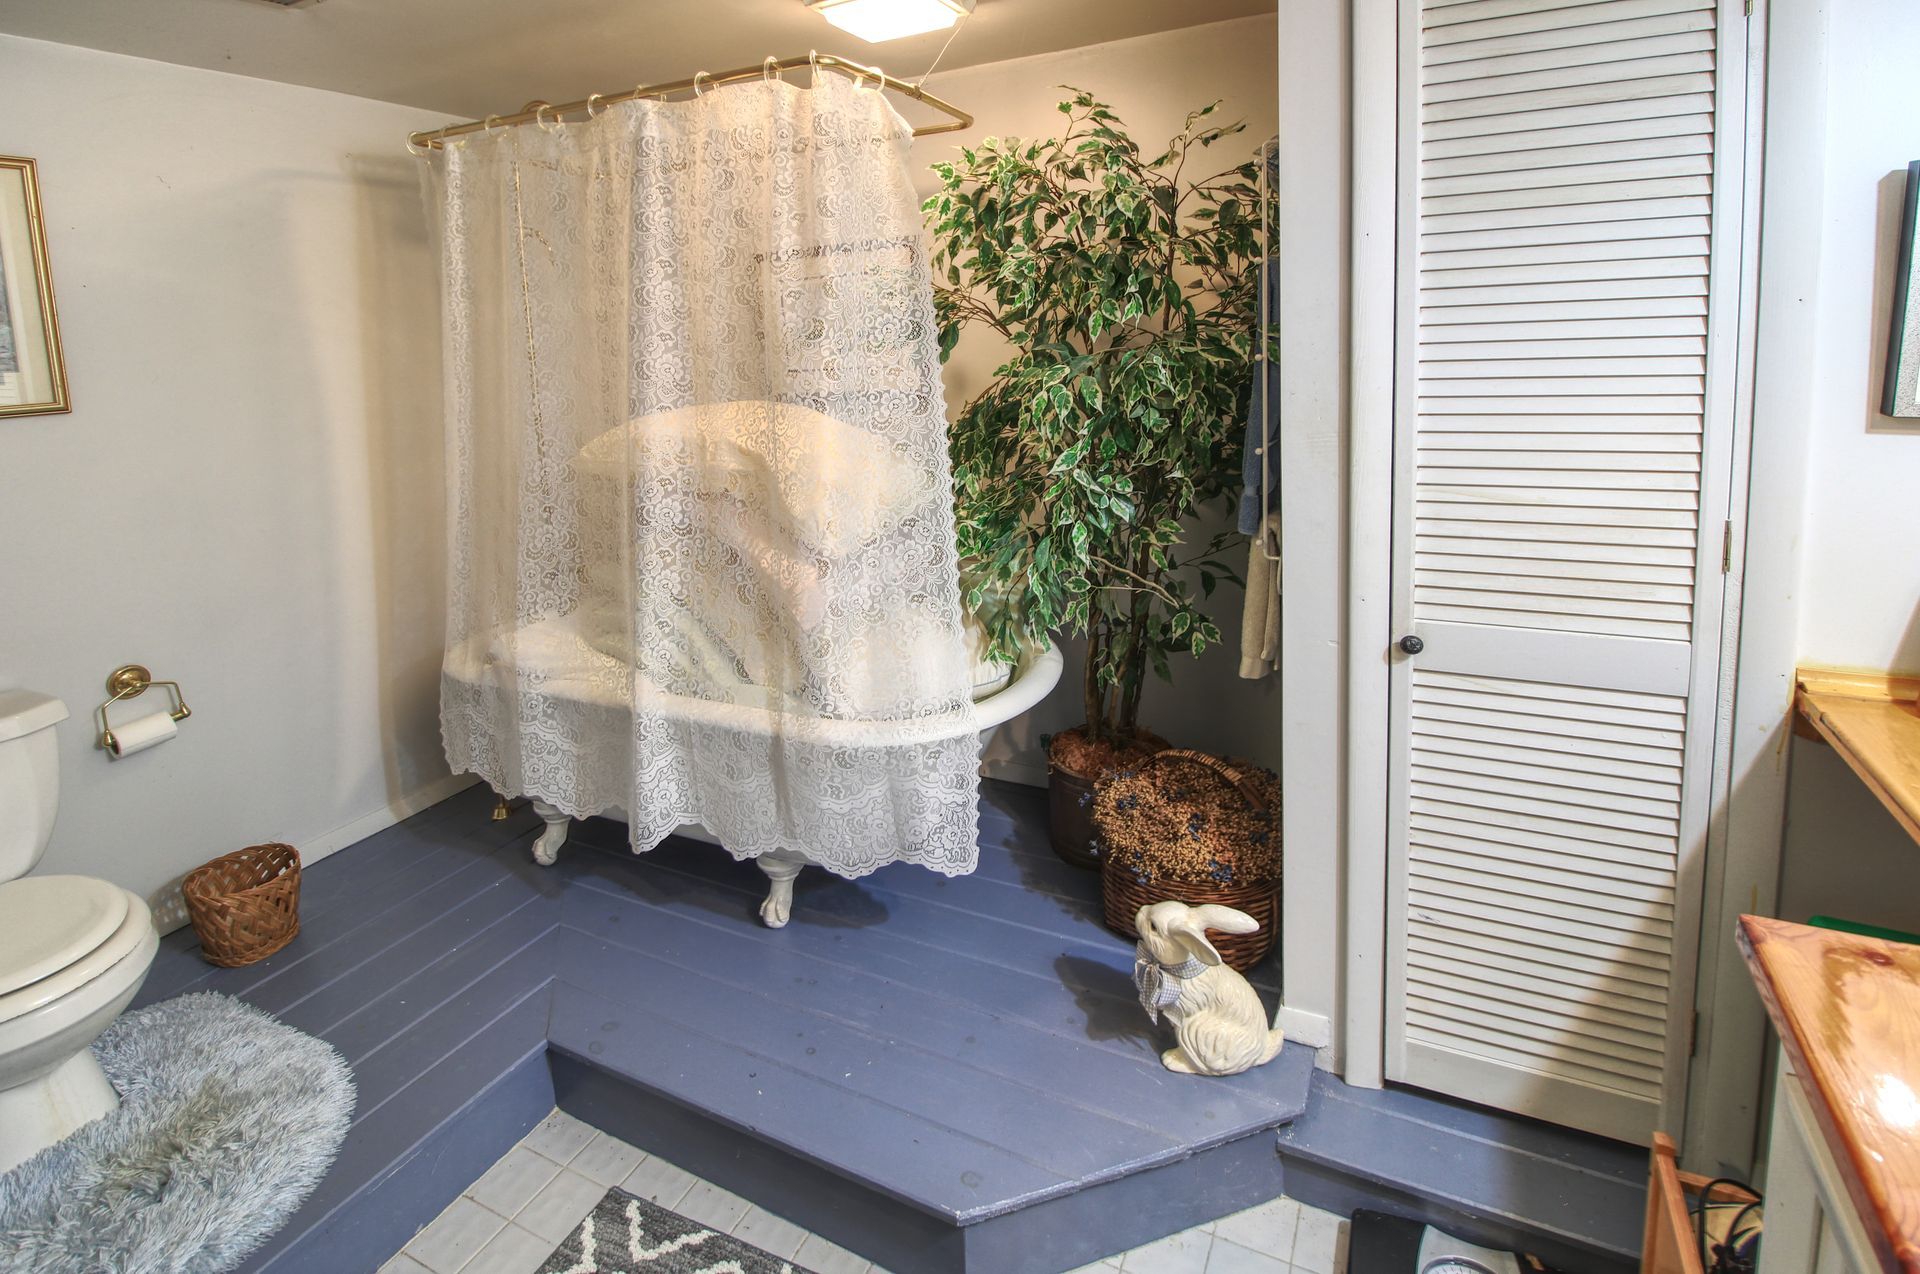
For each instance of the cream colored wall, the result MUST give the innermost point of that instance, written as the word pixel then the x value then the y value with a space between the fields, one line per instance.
pixel 247 494
pixel 1151 82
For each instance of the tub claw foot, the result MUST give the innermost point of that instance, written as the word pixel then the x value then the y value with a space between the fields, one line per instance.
pixel 546 850
pixel 780 869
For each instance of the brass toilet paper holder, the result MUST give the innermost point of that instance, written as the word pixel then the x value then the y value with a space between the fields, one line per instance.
pixel 130 681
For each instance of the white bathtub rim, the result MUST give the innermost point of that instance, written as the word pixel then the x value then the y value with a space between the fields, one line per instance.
pixel 1033 681
pixel 574 671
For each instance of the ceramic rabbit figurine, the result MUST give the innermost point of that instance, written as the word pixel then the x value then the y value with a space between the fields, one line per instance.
pixel 1216 1015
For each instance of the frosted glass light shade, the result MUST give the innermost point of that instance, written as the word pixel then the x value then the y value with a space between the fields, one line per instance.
pixel 877 20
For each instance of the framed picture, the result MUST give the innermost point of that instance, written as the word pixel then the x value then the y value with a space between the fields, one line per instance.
pixel 33 376
pixel 1901 395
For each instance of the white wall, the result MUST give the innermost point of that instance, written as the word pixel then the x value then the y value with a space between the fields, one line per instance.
pixel 1314 41
pixel 247 495
pixel 1860 585
pixel 1151 82
pixel 1861 607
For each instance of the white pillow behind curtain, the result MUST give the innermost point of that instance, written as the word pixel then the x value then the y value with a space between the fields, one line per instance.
pixel 702 545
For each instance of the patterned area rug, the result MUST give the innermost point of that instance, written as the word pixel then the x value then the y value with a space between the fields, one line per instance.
pixel 625 1235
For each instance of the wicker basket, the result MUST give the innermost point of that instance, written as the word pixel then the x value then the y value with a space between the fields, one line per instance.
pixel 245 905
pixel 1143 858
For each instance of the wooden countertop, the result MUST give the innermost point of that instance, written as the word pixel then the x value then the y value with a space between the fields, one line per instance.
pixel 1873 722
pixel 1848 1012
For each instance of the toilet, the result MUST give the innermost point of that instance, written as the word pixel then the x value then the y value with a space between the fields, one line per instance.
pixel 73 949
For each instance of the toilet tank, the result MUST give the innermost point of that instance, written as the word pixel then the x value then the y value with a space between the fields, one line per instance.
pixel 29 778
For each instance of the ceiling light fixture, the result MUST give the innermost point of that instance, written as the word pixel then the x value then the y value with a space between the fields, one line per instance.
pixel 877 20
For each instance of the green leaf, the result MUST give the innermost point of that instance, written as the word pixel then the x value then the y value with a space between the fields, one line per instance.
pixel 1127 310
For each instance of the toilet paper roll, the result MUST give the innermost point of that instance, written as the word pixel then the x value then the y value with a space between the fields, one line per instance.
pixel 142 733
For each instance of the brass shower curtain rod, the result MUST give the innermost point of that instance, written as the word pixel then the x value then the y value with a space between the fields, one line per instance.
pixel 538 112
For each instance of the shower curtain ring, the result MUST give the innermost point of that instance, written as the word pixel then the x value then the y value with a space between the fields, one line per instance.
pixel 491 120
pixel 813 62
pixel 540 118
pixel 697 77
pixel 591 99
pixel 418 150
pixel 770 69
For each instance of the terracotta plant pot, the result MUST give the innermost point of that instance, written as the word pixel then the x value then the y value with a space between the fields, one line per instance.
pixel 1070 827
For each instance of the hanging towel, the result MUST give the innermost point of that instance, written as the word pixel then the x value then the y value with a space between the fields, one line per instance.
pixel 1260 621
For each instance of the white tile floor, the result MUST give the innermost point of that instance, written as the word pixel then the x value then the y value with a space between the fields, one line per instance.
pixel 523 1206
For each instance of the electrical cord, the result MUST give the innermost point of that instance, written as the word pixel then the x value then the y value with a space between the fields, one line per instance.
pixel 928 74
pixel 1731 1257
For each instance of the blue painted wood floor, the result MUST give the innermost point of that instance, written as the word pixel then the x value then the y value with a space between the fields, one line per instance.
pixel 940 1058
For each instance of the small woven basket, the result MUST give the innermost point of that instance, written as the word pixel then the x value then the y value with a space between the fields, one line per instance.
pixel 245 905
pixel 1195 828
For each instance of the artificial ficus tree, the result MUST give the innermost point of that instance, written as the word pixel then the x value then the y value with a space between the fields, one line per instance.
pixel 1129 293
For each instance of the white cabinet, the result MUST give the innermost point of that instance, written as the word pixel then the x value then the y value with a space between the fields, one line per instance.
pixel 1812 1227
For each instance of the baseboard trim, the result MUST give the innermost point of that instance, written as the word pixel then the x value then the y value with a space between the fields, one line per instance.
pixel 1315 1030
pixel 405 806
pixel 1015 772
pixel 169 912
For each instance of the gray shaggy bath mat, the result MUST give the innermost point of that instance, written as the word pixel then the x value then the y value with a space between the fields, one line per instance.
pixel 227 1120
pixel 625 1235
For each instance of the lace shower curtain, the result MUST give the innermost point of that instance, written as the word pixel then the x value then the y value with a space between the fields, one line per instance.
pixel 702 561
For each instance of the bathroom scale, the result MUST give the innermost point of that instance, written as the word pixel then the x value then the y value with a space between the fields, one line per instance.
pixel 1381 1243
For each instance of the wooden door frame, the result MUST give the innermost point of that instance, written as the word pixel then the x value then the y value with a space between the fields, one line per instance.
pixel 1378 48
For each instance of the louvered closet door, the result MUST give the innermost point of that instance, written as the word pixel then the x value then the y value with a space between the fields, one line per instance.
pixel 1569 219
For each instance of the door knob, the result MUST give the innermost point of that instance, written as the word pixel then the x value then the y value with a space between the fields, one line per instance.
pixel 1412 645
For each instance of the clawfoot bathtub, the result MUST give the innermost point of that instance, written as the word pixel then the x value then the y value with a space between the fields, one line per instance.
pixel 1031 683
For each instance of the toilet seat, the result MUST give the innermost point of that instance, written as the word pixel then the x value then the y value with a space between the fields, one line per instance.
pixel 60 932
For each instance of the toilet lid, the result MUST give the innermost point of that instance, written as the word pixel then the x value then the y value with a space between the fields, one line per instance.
pixel 48 922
